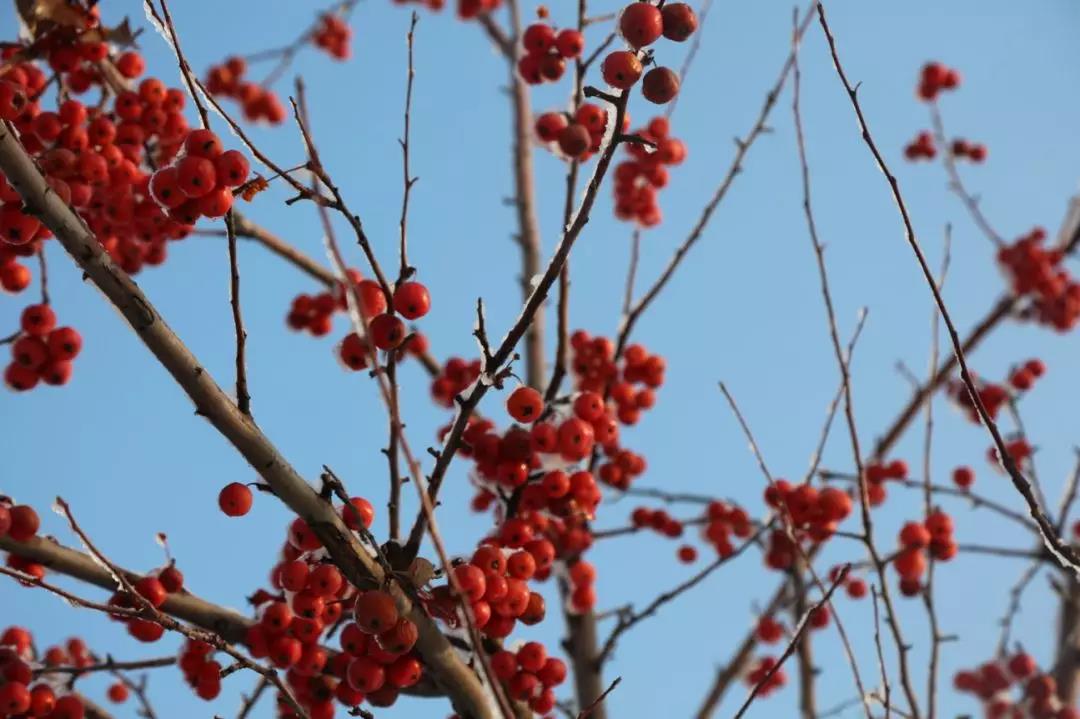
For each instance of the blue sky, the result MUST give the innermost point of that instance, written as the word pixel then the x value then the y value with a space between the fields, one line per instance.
pixel 122 445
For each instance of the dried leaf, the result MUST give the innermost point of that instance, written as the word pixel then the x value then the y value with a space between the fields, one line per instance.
pixel 252 187
pixel 121 35
pixel 58 12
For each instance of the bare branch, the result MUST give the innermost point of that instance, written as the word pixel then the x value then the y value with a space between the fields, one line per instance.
pixel 1065 554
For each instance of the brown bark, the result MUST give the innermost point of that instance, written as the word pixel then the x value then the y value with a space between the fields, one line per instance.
pixel 1067 660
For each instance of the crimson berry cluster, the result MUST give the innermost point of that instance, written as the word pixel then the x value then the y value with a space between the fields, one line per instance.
pixel 994 396
pixel 641 24
pixel 546 52
pixel 43 352
pixel 637 180
pixel 993 681
pixel 933 535
pixel 23 696
pixel 1037 273
pixel 258 103
pixel 334 36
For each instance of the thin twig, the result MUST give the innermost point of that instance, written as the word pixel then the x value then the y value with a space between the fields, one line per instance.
pixel 243 397
pixel 880 652
pixel 43 270
pixel 796 636
pixel 928 436
pixel 589 710
pixel 628 621
pixel 956 183
pixel 405 270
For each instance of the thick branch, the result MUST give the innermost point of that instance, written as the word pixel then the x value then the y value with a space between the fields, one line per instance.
pixel 466 692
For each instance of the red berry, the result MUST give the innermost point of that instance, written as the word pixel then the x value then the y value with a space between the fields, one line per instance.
pixel 660 85
pixel 687 554
pixel 680 21
pixel 232 168
pixel 235 499
pixel 375 611
pixel 152 590
pixel 24 522
pixel 569 43
pixel 549 125
pixel 411 300
pixel 538 38
pixel 525 404
pixel 196 176
pixel 361 513
pixel 621 69
pixel 574 140
pixel 641 24
pixel 387 331
pixel 38 320
pixel 203 143
pixel 131 65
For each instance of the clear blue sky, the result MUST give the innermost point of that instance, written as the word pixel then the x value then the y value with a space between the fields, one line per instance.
pixel 122 445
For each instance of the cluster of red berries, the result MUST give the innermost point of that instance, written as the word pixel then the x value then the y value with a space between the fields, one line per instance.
pixel 20 696
pixel 201 182
pixel 641 24
pixel 201 672
pixel 933 535
pixel 155 588
pixel 546 52
pixel 974 151
pixel 495 582
pixel 334 35
pixel 454 377
pixel 95 160
pixel 934 78
pixel 723 521
pixel 257 102
pixel 386 331
pixel 1018 448
pixel 877 473
pixel 759 670
pixel 1037 273
pixel 854 586
pixel 43 352
pixel 811 512
pixel 638 180
pixel 577 136
pixel 530 674
pixel 595 367
pixel 315 313
pixel 466 9
pixel 992 681
pixel 311 595
pixel 921 148
pixel 994 396
pixel 573 439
